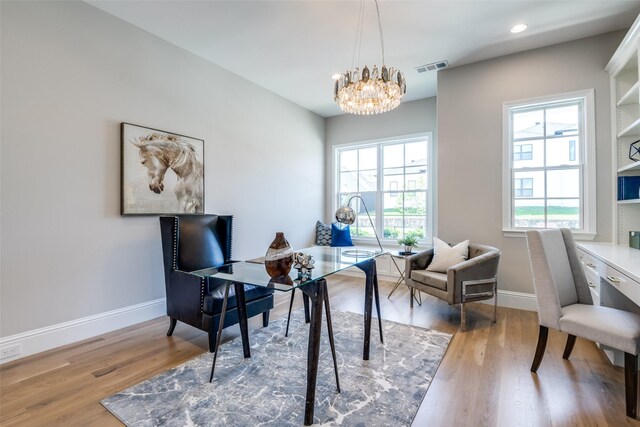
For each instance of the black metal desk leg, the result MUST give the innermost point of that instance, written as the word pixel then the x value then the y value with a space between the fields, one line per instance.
pixel 371 282
pixel 315 291
pixel 327 310
pixel 293 294
pixel 220 326
pixel 242 318
pixel 305 300
pixel 376 293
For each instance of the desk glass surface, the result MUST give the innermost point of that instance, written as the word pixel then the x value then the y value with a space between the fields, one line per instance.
pixel 328 260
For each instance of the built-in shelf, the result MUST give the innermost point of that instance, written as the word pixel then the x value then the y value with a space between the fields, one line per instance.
pixel 631 97
pixel 625 106
pixel 629 202
pixel 632 167
pixel 632 130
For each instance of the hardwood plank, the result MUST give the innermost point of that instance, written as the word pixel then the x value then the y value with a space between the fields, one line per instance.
pixel 483 380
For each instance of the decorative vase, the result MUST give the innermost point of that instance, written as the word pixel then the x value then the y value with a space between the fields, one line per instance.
pixel 279 257
pixel 407 249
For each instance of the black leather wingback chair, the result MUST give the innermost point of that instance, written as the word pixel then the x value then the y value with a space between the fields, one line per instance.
pixel 196 242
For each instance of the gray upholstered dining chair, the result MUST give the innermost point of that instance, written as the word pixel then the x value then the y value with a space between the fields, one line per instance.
pixel 565 304
pixel 468 281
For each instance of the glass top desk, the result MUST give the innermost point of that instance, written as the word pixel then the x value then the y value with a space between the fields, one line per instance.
pixel 328 261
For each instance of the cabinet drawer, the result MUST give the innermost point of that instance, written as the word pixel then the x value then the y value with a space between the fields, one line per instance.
pixel 593 279
pixel 624 284
pixel 591 263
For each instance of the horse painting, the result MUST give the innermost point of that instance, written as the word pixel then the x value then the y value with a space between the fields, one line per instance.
pixel 159 152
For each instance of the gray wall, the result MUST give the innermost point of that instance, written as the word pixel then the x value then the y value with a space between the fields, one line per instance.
pixel 409 118
pixel 470 102
pixel 70 74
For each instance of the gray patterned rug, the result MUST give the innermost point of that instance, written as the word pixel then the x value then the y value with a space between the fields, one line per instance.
pixel 269 388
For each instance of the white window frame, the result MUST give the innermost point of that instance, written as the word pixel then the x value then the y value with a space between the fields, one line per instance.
pixel 431 185
pixel 587 163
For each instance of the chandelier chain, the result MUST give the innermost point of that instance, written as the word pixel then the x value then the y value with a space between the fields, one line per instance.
pixel 356 44
pixel 380 28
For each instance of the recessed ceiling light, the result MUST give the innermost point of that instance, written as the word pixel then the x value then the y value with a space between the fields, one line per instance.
pixel 518 28
pixel 336 76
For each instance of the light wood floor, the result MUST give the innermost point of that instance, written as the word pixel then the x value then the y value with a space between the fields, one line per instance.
pixel 484 378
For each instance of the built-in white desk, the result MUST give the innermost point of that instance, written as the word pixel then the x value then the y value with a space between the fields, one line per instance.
pixel 613 273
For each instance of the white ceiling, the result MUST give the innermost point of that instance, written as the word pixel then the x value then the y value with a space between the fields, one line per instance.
pixel 293 47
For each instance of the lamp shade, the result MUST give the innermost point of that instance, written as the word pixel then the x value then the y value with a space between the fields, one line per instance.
pixel 345 215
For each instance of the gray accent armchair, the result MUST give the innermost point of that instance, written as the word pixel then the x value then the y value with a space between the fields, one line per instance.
pixel 468 281
pixel 565 304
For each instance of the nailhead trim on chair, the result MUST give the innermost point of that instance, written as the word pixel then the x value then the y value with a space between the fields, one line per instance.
pixel 201 294
pixel 175 241
pixel 231 241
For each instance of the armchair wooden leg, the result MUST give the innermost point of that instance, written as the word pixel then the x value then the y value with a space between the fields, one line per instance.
pixel 631 384
pixel 542 345
pixel 411 296
pixel 463 317
pixel 265 318
pixel 172 326
pixel 571 342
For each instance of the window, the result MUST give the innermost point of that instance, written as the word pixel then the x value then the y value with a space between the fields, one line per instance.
pixel 549 156
pixel 523 187
pixel 393 178
pixel 523 152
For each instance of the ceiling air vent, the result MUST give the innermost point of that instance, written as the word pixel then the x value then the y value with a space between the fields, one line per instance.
pixel 433 66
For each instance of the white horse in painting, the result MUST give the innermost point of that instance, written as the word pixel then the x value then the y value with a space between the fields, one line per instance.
pixel 159 152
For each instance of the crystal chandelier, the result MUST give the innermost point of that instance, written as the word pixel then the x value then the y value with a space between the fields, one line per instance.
pixel 372 91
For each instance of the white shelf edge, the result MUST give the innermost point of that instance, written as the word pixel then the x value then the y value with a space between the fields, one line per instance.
pixel 629 202
pixel 632 167
pixel 631 97
pixel 635 126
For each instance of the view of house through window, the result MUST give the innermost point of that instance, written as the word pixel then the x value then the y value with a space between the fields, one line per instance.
pixel 547 169
pixel 392 178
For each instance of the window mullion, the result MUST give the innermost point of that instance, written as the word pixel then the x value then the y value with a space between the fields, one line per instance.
pixel 379 193
pixel 544 163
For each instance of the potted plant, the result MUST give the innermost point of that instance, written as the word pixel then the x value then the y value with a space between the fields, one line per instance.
pixel 409 241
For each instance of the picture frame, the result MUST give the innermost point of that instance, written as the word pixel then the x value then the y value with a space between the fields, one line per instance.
pixel 160 172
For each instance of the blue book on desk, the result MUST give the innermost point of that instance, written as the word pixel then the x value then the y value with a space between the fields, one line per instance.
pixel 628 187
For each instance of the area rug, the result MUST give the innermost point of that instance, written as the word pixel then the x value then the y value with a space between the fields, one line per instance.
pixel 269 388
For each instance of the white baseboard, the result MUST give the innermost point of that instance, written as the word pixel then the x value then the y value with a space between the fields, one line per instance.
pixel 38 340
pixel 47 338
pixel 509 299
pixel 519 300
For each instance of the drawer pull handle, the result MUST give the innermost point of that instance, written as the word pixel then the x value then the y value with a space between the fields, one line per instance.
pixel 613 279
pixel 591 265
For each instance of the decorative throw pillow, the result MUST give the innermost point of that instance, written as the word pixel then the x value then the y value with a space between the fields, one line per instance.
pixel 323 234
pixel 340 236
pixel 445 256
